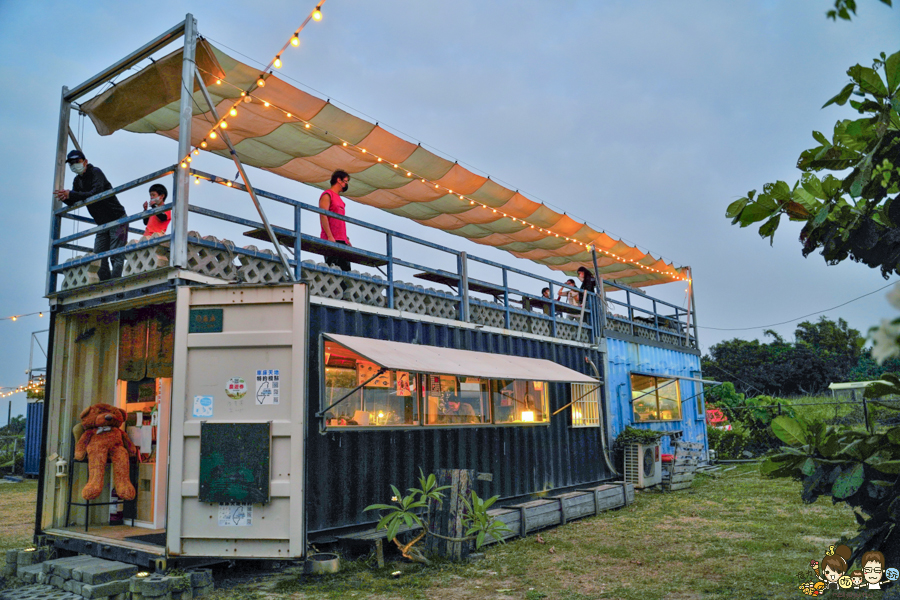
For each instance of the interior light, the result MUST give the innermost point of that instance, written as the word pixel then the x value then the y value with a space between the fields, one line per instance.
pixel 528 416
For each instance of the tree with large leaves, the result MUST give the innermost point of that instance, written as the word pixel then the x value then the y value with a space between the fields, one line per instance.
pixel 855 215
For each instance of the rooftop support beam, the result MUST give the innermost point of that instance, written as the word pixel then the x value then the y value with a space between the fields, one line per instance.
pixel 59 182
pixel 237 161
pixel 126 63
pixel 179 255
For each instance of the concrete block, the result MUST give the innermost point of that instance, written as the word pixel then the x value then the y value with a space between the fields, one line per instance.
pixel 72 570
pixel 73 586
pixel 56 581
pixel 103 571
pixel 23 559
pixel 28 573
pixel 203 590
pixel 37 592
pixel 154 586
pixel 201 577
pixel 41 578
pixel 50 565
pixel 102 590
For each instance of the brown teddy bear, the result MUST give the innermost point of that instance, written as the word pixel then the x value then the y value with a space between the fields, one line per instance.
pixel 103 438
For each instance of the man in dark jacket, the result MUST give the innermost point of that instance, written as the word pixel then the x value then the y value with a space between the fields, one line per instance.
pixel 90 181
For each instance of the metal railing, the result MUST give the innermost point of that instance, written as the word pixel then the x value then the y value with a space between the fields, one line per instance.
pixel 658 320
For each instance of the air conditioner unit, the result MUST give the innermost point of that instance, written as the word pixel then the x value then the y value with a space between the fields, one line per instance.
pixel 643 465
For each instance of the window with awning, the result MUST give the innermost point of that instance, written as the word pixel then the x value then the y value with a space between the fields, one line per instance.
pixel 377 383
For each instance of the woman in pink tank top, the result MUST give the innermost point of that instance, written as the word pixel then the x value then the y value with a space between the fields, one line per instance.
pixel 334 229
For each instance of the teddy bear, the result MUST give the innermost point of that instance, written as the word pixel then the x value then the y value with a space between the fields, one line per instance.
pixel 102 439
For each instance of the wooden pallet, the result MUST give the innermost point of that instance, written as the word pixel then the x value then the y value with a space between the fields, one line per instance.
pixel 679 474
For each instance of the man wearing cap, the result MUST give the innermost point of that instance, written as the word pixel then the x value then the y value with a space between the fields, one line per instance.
pixel 90 181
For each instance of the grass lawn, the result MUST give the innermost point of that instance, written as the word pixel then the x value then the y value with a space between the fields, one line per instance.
pixel 736 535
pixel 17 502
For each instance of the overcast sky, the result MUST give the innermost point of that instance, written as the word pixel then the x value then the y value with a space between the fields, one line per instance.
pixel 643 118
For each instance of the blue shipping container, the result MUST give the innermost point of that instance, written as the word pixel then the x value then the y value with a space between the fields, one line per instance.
pixel 33 440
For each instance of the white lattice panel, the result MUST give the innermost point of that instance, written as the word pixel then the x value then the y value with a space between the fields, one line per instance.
pixel 325 285
pixel 484 315
pixel 540 326
pixel 369 291
pixel 214 262
pixel 261 270
pixel 144 260
pixel 80 275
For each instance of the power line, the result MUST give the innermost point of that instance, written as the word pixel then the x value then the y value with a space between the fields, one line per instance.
pixel 798 318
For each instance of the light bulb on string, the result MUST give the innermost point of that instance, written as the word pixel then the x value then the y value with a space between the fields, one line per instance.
pixel 289 115
pixel 277 62
pixel 248 99
pixel 213 135
pixel 224 125
pixel 233 112
pixel 196 151
pixel 307 126
pixel 260 82
pixel 229 184
pixel 266 104
pixel 15 318
pixel 317 14
pixel 196 181
pixel 203 144
pixel 218 82
pixel 295 41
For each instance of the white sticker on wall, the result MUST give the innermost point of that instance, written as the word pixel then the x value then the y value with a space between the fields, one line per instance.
pixel 203 406
pixel 235 515
pixel 267 384
pixel 235 388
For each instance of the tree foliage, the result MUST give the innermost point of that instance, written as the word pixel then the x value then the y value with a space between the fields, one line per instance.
pixel 823 352
pixel 844 8
pixel 856 215
pixel 16 426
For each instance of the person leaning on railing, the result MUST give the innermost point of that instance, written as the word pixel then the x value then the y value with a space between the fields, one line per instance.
pixel 333 229
pixel 90 181
pixel 588 283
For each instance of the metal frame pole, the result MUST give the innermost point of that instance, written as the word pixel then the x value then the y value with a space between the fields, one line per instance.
pixel 59 182
pixel 463 268
pixel 182 181
pixel 692 309
pixel 599 279
pixel 240 167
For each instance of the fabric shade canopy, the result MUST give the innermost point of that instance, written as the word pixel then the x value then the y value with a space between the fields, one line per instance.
pixel 305 138
pixel 450 361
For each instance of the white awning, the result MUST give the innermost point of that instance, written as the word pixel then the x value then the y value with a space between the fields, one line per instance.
pixel 449 361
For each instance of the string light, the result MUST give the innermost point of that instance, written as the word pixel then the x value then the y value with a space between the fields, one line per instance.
pixel 670 272
pixel 277 62
pixel 203 144
pixel 260 82
pixel 213 135
pixel 317 14
pixel 233 112
pixel 295 41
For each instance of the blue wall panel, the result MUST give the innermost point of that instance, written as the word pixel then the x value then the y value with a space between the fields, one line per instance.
pixel 33 419
pixel 624 357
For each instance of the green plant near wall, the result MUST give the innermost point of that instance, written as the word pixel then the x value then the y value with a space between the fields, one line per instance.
pixel 407 510
pixel 859 468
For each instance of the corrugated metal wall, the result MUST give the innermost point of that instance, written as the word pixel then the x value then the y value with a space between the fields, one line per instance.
pixel 623 358
pixel 348 470
pixel 34 417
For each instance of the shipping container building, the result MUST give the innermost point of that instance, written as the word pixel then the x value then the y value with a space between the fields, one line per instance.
pixel 271 397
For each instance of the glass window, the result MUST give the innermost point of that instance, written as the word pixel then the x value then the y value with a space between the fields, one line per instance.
pixel 451 400
pixel 655 398
pixel 585 405
pixel 389 400
pixel 519 401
